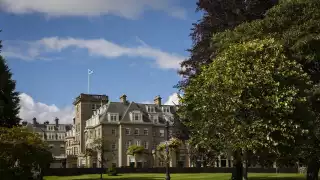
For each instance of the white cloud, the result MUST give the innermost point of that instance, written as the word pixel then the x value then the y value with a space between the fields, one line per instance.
pixel 43 112
pixel 173 99
pixel 130 9
pixel 95 47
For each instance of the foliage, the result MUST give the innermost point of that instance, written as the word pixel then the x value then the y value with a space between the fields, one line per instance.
pixel 134 150
pixel 250 97
pixel 296 25
pixel 22 153
pixel 9 98
pixel 112 171
pixel 217 17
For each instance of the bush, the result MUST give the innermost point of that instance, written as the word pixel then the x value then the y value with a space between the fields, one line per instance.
pixel 112 171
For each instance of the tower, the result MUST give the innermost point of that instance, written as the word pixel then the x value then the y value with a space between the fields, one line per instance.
pixel 85 105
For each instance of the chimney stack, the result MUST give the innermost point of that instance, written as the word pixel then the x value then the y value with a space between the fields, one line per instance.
pixel 34 121
pixel 123 98
pixel 157 100
pixel 56 121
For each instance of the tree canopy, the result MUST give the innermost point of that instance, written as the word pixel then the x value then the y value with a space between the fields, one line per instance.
pixel 217 17
pixel 9 98
pixel 22 153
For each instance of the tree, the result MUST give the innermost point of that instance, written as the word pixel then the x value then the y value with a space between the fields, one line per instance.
pixel 9 98
pixel 218 16
pixel 173 145
pixel 295 24
pixel 22 153
pixel 135 151
pixel 99 146
pixel 250 97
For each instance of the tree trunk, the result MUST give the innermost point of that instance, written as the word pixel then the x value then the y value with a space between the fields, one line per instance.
pixel 237 170
pixel 245 165
pixel 313 170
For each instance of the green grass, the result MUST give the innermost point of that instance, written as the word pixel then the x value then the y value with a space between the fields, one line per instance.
pixel 200 176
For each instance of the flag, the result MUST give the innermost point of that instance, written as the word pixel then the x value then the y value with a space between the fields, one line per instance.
pixel 90 71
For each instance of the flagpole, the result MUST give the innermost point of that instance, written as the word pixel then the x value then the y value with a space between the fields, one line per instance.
pixel 88 83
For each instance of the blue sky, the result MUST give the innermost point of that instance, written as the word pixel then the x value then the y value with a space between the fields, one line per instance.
pixel 133 46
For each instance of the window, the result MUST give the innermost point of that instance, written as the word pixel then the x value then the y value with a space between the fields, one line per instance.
pixel 166 109
pixel 98 106
pixel 145 132
pixel 76 151
pixel 98 133
pixel 113 132
pixel 151 109
pixel 154 118
pixel 154 146
pixel 136 117
pixel 161 133
pixel 127 131
pixel 128 144
pixel 136 131
pixel 113 146
pixel 51 145
pixel 170 133
pixel 138 142
pixel 153 133
pixel 113 117
pixel 146 145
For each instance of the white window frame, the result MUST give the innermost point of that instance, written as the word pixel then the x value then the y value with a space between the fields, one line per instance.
pixel 135 114
pixel 138 142
pixel 113 117
pixel 146 130
pixel 154 133
pixel 135 130
pixel 127 131
pixel 128 144
pixel 151 109
pixel 146 145
pixel 161 132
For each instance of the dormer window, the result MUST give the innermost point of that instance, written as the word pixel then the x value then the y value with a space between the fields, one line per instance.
pixel 113 117
pixel 166 109
pixel 151 109
pixel 154 118
pixel 136 116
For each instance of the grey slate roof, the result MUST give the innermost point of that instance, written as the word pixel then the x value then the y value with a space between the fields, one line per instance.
pixel 124 109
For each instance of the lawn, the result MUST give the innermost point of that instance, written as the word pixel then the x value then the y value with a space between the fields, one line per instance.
pixel 201 176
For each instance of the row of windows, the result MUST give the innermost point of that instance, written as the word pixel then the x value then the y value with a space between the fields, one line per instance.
pixel 53 128
pixel 145 132
pixel 152 109
pixel 73 151
pixel 52 136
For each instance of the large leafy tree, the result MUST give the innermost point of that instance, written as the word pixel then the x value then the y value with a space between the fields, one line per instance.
pixel 218 16
pixel 251 97
pixel 22 153
pixel 296 25
pixel 9 98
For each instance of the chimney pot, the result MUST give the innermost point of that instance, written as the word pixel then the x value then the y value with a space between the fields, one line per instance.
pixel 157 100
pixel 56 121
pixel 123 98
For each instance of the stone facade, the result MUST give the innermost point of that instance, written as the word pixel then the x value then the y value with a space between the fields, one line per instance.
pixel 54 135
pixel 119 125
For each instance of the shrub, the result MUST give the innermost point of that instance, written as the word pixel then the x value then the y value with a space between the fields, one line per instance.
pixel 112 171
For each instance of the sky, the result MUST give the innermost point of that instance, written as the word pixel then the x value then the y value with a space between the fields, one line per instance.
pixel 133 47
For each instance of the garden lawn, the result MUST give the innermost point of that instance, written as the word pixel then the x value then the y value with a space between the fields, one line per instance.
pixel 200 176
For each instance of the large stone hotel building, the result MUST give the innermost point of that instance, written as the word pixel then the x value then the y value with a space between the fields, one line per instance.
pixel 120 125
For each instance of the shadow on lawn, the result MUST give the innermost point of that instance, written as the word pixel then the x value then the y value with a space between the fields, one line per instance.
pixel 126 178
pixel 277 178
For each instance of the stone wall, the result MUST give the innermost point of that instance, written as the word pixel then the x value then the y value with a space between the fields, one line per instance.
pixel 81 171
